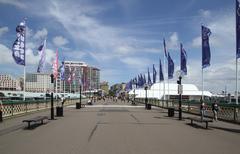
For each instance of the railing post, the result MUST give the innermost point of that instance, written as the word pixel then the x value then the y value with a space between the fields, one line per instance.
pixel 188 106
pixel 12 108
pixel 25 106
pixel 235 114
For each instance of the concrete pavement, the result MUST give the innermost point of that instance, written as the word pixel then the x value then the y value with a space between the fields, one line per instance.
pixel 117 127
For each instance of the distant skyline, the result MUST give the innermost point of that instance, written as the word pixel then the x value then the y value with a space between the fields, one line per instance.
pixel 124 37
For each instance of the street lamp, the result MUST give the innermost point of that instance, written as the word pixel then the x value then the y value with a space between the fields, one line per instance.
pixel 180 89
pixel 78 105
pixel 146 99
pixel 52 108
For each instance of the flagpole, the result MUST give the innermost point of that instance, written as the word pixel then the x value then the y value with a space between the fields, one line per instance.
pixel 202 84
pixel 164 78
pixel 24 68
pixel 24 80
pixel 236 81
pixel 168 89
pixel 236 51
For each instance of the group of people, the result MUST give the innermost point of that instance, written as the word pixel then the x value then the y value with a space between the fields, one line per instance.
pixel 215 109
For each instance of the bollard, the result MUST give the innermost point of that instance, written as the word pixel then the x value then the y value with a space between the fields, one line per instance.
pixel 1 113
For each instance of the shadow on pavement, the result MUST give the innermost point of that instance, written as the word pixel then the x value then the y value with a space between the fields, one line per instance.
pixel 227 129
pixel 198 126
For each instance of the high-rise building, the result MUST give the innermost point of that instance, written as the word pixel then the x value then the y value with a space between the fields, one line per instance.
pixel 7 82
pixel 38 82
pixel 105 87
pixel 79 72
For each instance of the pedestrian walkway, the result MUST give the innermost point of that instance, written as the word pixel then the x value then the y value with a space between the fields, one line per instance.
pixel 118 129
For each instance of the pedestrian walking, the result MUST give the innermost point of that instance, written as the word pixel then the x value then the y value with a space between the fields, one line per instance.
pixel 215 109
pixel 202 109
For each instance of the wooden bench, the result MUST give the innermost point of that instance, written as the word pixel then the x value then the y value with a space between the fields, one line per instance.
pixel 35 119
pixel 200 120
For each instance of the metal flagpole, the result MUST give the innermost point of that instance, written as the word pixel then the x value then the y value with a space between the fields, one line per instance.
pixel 24 69
pixel 236 52
pixel 168 89
pixel 202 84
pixel 164 77
pixel 236 80
pixel 24 80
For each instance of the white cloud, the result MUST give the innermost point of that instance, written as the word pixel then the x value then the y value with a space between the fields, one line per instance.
pixel 3 30
pixel 173 42
pixel 205 13
pixel 137 62
pixel 6 55
pixel 196 42
pixel 41 34
pixel 15 3
pixel 60 41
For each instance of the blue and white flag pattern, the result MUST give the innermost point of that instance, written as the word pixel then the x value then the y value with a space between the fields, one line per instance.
pixel 149 78
pixel 161 78
pixel 154 74
pixel 183 60
pixel 237 29
pixel 18 48
pixel 62 72
pixel 170 67
pixel 42 54
pixel 206 55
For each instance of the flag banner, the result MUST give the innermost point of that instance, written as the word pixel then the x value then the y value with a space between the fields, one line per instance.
pixel 18 48
pixel 74 75
pixel 62 72
pixel 161 78
pixel 154 74
pixel 144 80
pixel 138 81
pixel 237 29
pixel 206 55
pixel 42 53
pixel 170 67
pixel 149 78
pixel 183 60
pixel 69 79
pixel 165 48
pixel 55 66
pixel 141 80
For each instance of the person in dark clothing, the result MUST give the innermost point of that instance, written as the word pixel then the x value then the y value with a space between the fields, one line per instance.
pixel 215 109
pixel 202 109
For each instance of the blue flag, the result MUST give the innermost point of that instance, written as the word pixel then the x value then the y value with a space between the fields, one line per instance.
pixel 149 78
pixel 18 48
pixel 161 78
pixel 206 55
pixel 42 54
pixel 144 79
pixel 62 72
pixel 170 67
pixel 154 74
pixel 183 60
pixel 237 29
pixel 165 48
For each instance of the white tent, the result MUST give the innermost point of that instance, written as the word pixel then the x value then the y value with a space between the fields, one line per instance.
pixel 156 91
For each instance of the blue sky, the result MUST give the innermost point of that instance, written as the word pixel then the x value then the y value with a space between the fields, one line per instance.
pixel 124 37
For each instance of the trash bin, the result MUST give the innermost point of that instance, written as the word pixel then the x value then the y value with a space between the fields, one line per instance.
pixel 78 105
pixel 149 106
pixel 170 112
pixel 59 111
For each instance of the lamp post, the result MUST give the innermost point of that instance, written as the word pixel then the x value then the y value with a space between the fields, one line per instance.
pixel 179 82
pixel 52 108
pixel 146 99
pixel 80 91
pixel 78 105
